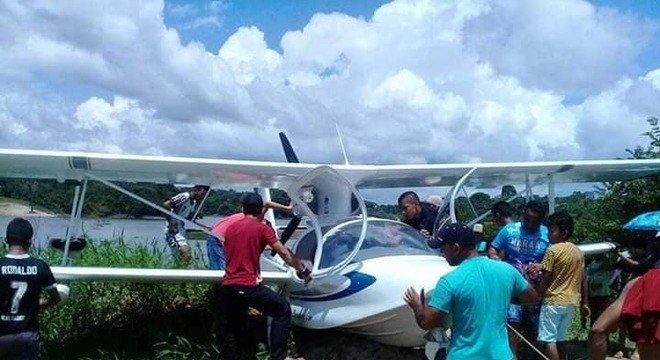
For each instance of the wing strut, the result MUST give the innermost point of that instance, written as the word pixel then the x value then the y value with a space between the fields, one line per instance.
pixel 165 211
pixel 199 208
pixel 457 187
pixel 551 193
pixel 74 221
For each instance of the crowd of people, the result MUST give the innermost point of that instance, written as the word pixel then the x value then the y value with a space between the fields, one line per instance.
pixel 528 283
pixel 542 280
pixel 530 286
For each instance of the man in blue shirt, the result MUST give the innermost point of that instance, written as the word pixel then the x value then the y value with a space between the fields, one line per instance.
pixel 477 294
pixel 522 244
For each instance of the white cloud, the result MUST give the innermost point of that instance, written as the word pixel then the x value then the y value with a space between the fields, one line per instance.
pixel 577 50
pixel 616 118
pixel 249 56
pixel 421 81
pixel 198 15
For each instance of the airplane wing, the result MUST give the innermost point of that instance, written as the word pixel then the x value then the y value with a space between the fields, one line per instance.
pixel 490 175
pixel 181 170
pixel 72 273
pixel 597 248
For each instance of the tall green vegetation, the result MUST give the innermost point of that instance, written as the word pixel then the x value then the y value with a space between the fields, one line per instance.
pixel 624 200
pixel 119 320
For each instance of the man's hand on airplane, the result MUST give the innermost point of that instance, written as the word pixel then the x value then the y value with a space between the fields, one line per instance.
pixel 305 274
pixel 426 317
pixel 414 299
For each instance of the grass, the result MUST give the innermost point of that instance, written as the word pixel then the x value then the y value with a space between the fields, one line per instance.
pixel 121 320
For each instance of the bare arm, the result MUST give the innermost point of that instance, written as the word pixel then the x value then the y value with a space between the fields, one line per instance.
pixel 607 322
pixel 585 311
pixel 277 206
pixel 168 206
pixel 628 262
pixel 527 297
pixel 495 254
pixel 53 298
pixel 288 257
pixel 426 317
pixel 544 283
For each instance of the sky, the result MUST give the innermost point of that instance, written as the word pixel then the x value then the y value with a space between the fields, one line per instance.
pixel 406 81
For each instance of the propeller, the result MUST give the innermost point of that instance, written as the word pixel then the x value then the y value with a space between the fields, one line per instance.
pixel 291 157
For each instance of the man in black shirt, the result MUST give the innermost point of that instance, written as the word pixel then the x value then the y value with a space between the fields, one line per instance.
pixel 22 278
pixel 417 214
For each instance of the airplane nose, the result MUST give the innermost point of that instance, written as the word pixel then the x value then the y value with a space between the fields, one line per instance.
pixel 396 325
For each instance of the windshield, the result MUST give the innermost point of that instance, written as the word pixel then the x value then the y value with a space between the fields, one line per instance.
pixel 442 218
pixel 384 238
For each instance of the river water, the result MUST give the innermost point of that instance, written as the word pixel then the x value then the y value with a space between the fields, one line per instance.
pixel 133 231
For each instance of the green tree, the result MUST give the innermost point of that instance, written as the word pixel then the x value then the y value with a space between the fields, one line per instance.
pixel 630 198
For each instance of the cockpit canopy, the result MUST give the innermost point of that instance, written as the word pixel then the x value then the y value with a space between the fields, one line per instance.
pixel 384 238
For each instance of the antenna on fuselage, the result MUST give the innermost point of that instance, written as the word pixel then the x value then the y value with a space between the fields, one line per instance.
pixel 341 142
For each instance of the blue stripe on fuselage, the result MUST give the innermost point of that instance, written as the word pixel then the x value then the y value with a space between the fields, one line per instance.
pixel 359 282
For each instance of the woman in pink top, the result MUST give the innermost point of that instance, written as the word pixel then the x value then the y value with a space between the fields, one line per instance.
pixel 214 244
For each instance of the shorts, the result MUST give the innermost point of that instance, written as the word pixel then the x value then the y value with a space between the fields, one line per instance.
pixel 528 318
pixel 216 253
pixel 20 346
pixel 554 322
pixel 175 241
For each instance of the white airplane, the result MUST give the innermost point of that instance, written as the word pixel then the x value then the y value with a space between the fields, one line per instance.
pixel 361 266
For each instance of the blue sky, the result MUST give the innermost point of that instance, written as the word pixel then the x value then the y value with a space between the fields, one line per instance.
pixel 273 17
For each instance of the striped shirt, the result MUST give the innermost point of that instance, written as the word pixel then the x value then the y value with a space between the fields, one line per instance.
pixel 182 205
pixel 565 263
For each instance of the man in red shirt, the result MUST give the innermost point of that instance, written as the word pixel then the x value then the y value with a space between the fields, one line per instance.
pixel 245 240
pixel 214 244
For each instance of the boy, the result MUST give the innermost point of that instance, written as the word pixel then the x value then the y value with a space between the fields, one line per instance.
pixel 182 204
pixel 21 280
pixel 563 285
